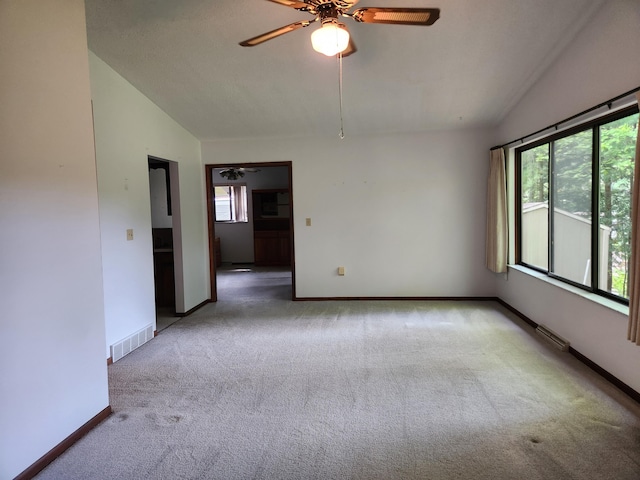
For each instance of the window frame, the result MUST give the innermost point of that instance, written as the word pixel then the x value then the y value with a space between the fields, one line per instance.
pixel 593 125
pixel 233 187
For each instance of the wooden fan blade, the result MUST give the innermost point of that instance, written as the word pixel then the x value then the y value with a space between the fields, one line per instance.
pixel 397 16
pixel 252 42
pixel 291 3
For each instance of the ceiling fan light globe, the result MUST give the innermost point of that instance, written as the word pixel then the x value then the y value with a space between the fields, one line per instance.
pixel 330 39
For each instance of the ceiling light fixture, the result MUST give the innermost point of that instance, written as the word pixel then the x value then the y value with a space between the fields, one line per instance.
pixel 330 39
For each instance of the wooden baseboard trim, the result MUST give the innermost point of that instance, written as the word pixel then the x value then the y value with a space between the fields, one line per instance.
pixel 197 307
pixel 607 376
pixel 615 381
pixel 109 361
pixel 518 313
pixel 420 299
pixel 59 449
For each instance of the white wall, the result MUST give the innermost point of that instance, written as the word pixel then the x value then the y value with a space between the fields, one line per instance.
pixel 53 374
pixel 599 64
pixel 236 239
pixel 129 127
pixel 404 214
pixel 160 217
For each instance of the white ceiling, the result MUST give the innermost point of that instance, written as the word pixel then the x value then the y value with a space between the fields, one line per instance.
pixel 466 70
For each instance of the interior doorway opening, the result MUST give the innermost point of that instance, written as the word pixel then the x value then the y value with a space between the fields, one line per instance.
pixel 250 213
pixel 167 240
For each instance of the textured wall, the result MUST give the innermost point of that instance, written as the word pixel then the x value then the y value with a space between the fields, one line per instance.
pixel 129 127
pixel 404 214
pixel 53 375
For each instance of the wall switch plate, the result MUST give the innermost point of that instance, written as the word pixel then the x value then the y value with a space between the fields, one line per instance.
pixel 129 234
pixel 341 271
pixel 308 222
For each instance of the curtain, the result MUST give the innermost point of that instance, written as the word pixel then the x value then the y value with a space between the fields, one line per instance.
pixel 633 332
pixel 497 236
pixel 240 203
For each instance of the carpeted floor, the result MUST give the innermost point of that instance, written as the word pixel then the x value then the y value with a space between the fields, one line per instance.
pixel 165 317
pixel 259 387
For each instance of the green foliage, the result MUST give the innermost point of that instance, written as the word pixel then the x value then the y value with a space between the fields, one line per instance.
pixel 617 153
pixel 573 172
pixel 535 175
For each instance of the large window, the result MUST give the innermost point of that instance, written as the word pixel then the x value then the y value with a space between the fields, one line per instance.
pixel 574 205
pixel 230 203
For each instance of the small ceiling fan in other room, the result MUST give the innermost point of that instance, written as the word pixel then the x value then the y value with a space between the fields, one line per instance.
pixel 333 37
pixel 232 173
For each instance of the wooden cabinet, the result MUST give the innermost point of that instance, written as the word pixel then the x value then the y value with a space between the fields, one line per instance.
pixel 163 268
pixel 164 278
pixel 272 247
pixel 271 227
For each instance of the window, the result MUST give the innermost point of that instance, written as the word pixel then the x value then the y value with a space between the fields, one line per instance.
pixel 231 203
pixel 574 206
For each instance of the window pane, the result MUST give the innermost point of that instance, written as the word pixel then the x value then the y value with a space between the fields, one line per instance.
pixel 534 174
pixel 617 151
pixel 571 237
pixel 223 203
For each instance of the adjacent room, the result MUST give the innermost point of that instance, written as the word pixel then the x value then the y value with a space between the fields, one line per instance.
pixel 326 265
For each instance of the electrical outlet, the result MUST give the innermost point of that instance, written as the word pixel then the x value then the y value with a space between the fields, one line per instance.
pixel 308 222
pixel 129 234
pixel 341 271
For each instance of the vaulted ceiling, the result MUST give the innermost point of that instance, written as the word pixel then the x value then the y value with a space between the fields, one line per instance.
pixel 466 70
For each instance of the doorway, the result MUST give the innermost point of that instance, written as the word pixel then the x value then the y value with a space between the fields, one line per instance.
pixel 237 245
pixel 166 235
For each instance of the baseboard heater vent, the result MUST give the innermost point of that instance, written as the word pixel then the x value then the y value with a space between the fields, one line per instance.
pixel 129 344
pixel 554 338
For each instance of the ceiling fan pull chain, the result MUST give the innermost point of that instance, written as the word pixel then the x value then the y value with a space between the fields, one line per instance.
pixel 340 90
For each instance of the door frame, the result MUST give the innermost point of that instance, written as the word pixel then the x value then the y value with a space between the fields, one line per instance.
pixel 211 221
pixel 171 168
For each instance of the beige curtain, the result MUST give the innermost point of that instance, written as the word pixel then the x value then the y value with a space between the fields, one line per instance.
pixel 240 203
pixel 497 236
pixel 633 332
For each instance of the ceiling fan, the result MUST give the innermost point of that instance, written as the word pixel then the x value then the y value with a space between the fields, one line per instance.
pixel 333 37
pixel 232 173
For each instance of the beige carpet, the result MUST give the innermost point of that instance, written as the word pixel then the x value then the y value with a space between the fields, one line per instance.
pixel 259 387
pixel 165 317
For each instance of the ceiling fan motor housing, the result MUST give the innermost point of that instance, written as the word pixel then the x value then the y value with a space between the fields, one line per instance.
pixel 320 7
pixel 328 13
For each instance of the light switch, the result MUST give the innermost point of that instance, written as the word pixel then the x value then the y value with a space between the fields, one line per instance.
pixel 129 234
pixel 341 271
pixel 308 222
